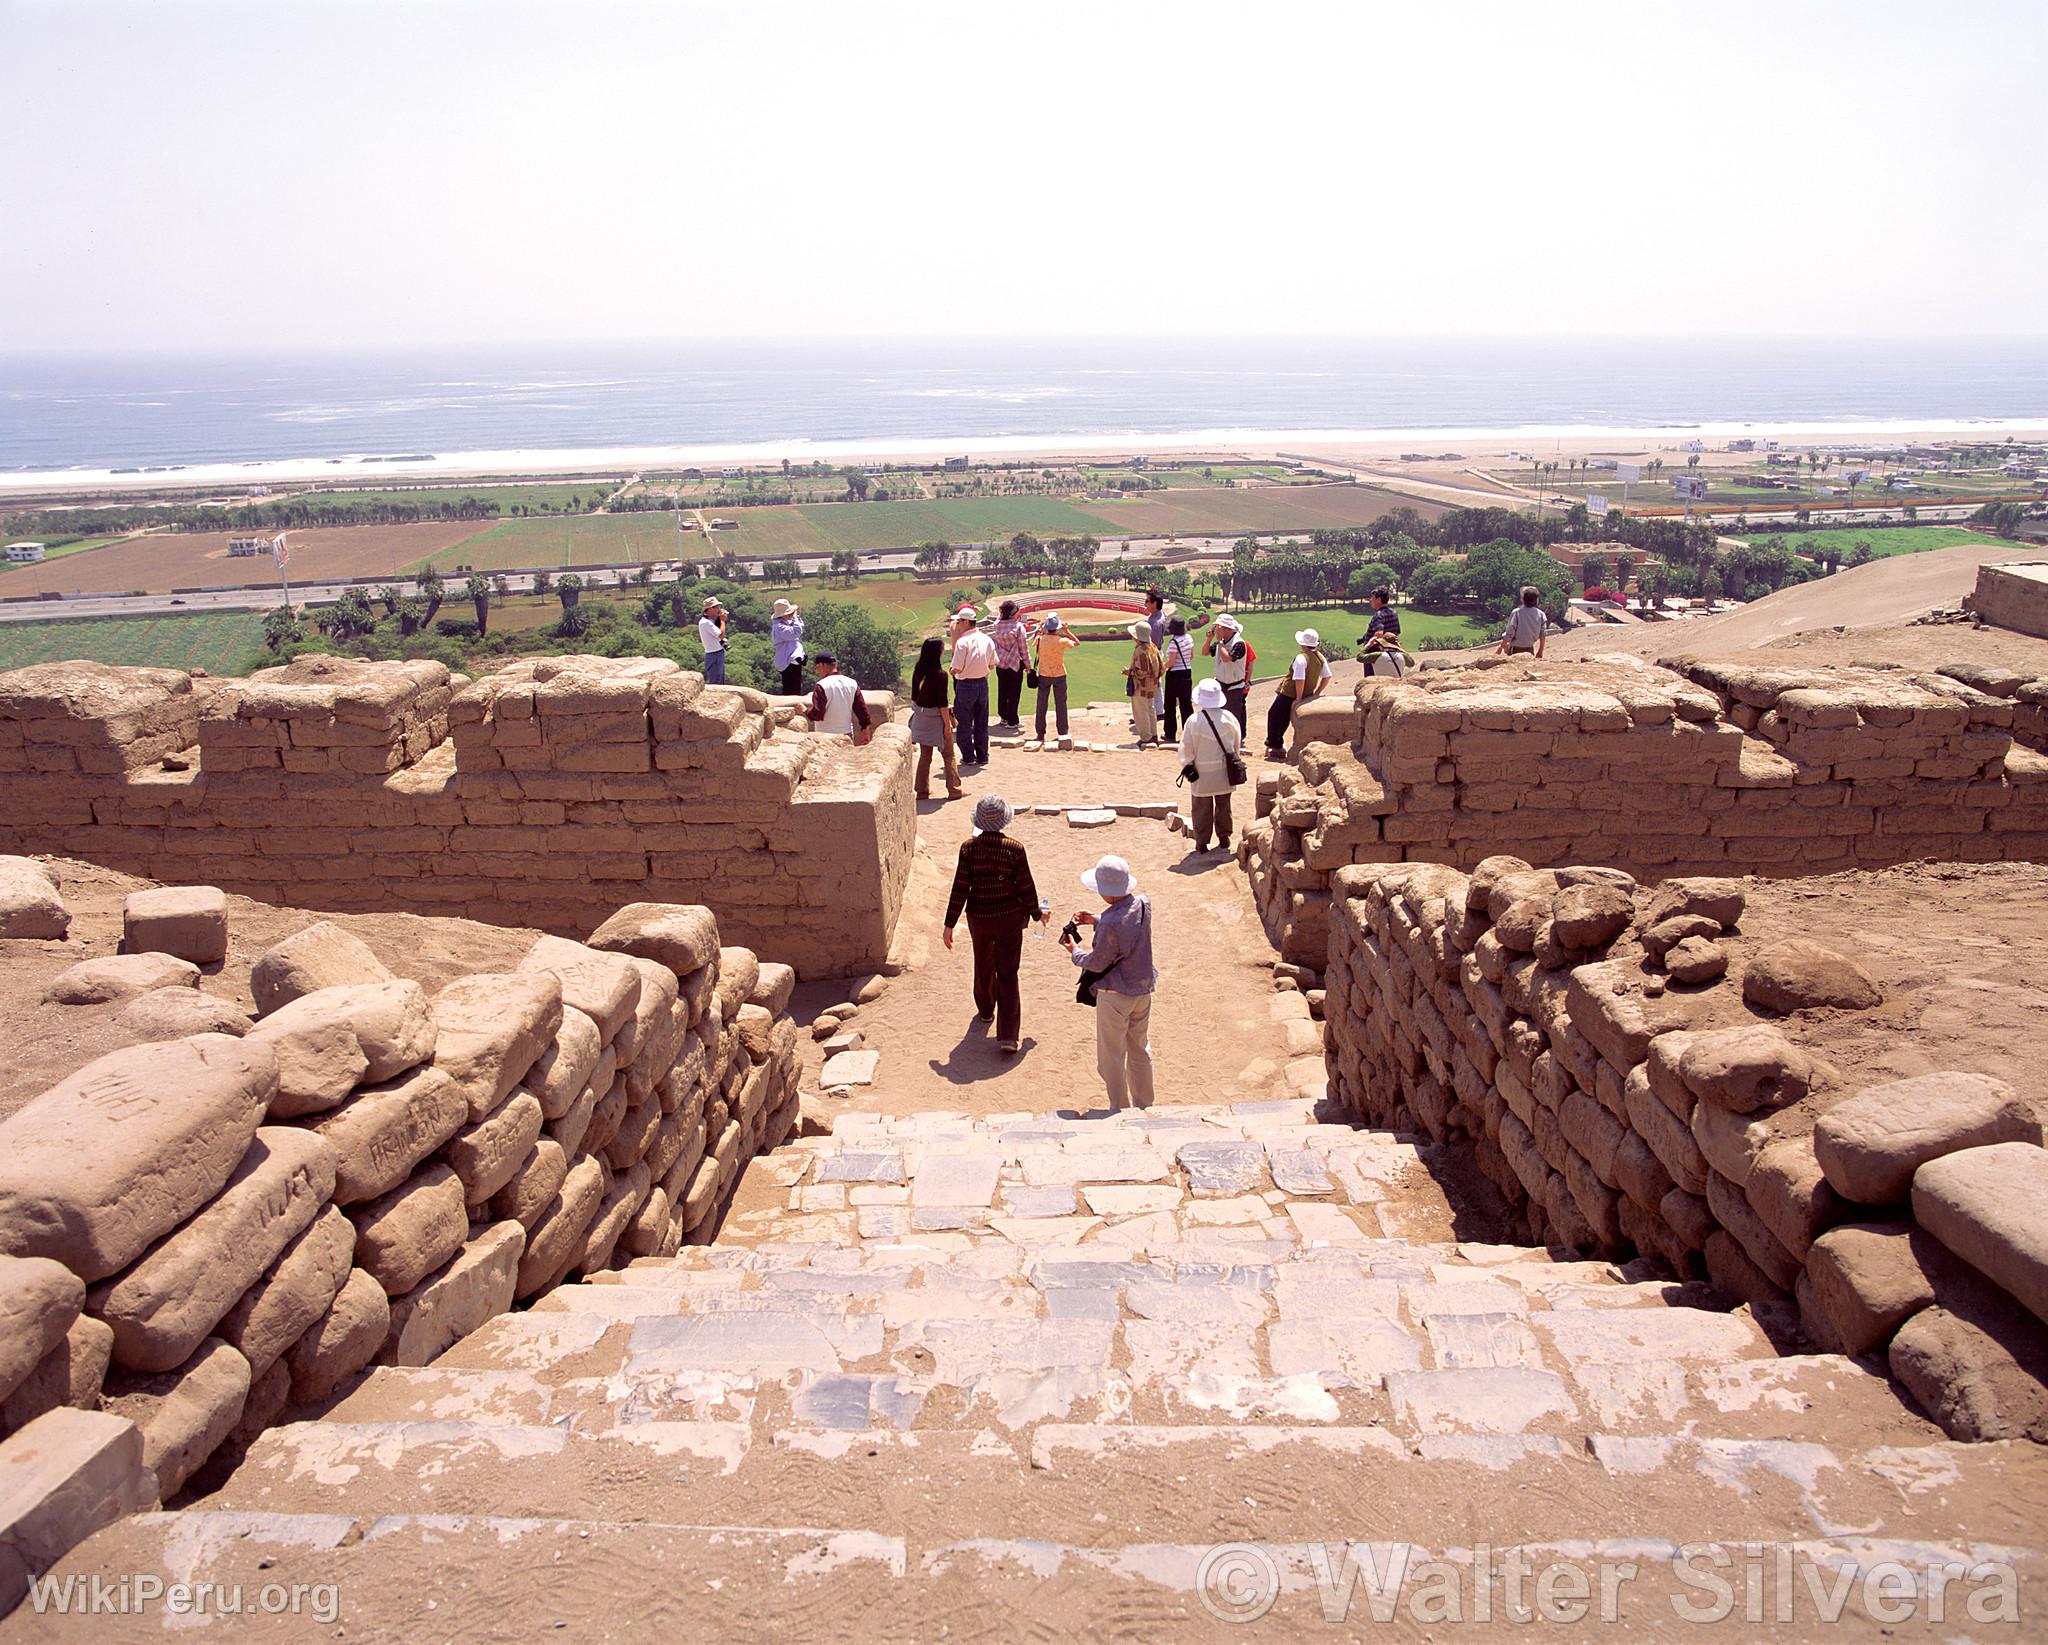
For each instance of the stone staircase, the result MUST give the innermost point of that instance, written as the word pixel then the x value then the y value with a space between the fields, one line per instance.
pixel 1020 1376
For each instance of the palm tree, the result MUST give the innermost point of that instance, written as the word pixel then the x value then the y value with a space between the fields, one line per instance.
pixel 478 589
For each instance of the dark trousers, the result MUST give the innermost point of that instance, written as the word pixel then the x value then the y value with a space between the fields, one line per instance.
pixel 793 679
pixel 1276 724
pixel 714 667
pixel 1056 687
pixel 1211 816
pixel 998 949
pixel 1233 699
pixel 1009 694
pixel 970 719
pixel 1180 700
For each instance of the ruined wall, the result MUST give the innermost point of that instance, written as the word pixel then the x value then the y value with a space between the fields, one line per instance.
pixel 549 793
pixel 205 1234
pixel 2012 596
pixel 1630 1091
pixel 1724 768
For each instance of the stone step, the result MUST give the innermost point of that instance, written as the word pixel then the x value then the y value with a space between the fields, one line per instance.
pixel 484 1576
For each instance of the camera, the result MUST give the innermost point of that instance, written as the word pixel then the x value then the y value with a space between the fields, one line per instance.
pixel 1070 932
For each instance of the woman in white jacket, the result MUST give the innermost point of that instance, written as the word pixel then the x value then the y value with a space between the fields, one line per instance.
pixel 1211 736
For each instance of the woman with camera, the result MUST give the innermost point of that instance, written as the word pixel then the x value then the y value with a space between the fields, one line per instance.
pixel 1211 759
pixel 1118 979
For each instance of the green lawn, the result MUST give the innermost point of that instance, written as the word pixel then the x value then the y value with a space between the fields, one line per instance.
pixel 225 642
pixel 1884 541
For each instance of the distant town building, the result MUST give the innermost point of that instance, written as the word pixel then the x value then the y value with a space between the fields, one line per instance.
pixel 24 553
pixel 1742 445
pixel 244 548
pixel 956 462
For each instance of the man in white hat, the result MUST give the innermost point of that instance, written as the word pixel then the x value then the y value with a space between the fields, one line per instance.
pixel 1120 961
pixel 974 659
pixel 1307 676
pixel 1226 643
pixel 786 629
pixel 992 886
pixel 711 632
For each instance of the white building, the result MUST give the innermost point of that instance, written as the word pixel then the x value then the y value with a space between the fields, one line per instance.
pixel 24 553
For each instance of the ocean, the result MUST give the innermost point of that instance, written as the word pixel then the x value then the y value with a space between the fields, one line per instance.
pixel 80 418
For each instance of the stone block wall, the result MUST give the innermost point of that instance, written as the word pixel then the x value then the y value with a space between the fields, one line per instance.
pixel 549 794
pixel 200 1236
pixel 1720 768
pixel 2012 596
pixel 1629 1092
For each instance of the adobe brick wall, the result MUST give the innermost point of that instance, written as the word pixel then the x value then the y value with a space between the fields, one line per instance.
pixel 2012 596
pixel 549 794
pixel 203 1235
pixel 1620 1113
pixel 1726 767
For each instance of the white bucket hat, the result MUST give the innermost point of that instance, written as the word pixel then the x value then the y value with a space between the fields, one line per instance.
pixel 782 608
pixel 713 603
pixel 1225 620
pixel 1111 877
pixel 1209 694
pixel 1140 631
pixel 1308 636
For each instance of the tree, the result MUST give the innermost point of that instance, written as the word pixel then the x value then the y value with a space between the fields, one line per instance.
pixel 1624 568
pixel 542 582
pixel 1860 553
pixel 569 590
pixel 575 622
pixel 349 617
pixel 856 485
pixel 282 628
pixel 1373 574
pixel 390 595
pixel 501 586
pixel 479 591
pixel 934 556
pixel 1593 571
pixel 433 591
pixel 1403 554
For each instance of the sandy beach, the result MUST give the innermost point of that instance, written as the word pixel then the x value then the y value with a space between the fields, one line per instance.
pixel 1378 449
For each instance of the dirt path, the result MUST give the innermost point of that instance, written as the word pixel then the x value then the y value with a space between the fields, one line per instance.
pixel 1214 1034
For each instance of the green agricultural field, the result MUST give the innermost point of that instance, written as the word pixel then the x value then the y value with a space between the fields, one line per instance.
pixel 567 541
pixel 224 642
pixel 506 499
pixel 1884 541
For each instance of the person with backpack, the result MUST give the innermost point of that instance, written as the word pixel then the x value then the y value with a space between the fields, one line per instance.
pixel 1307 678
pixel 1049 648
pixel 1211 759
pixel 1234 658
pixel 1178 656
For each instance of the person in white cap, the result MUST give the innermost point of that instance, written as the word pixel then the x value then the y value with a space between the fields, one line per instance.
pixel 786 629
pixel 1120 961
pixel 974 659
pixel 1207 747
pixel 711 633
pixel 1307 676
pixel 1227 644
pixel 992 886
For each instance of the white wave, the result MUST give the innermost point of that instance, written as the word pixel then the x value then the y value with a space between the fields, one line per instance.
pixel 1000 396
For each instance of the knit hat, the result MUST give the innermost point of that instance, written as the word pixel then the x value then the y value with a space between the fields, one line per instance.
pixel 992 813
pixel 1209 694
pixel 1111 877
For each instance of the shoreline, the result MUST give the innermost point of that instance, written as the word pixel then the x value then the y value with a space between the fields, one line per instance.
pixel 363 471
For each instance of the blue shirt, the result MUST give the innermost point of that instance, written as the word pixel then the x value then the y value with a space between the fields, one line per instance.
pixel 788 634
pixel 1386 621
pixel 1122 955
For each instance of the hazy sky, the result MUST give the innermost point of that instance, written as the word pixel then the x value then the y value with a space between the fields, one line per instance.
pixel 270 173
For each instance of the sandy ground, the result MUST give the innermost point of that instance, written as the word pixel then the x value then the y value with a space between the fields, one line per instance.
pixel 162 561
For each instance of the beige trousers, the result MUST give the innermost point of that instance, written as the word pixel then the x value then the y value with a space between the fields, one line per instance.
pixel 1122 1055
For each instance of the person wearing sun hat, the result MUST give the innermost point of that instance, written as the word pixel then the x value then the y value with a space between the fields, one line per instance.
pixel 1120 961
pixel 1206 745
pixel 786 629
pixel 1307 676
pixel 1145 673
pixel 711 633
pixel 1049 648
pixel 992 885
pixel 1226 643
